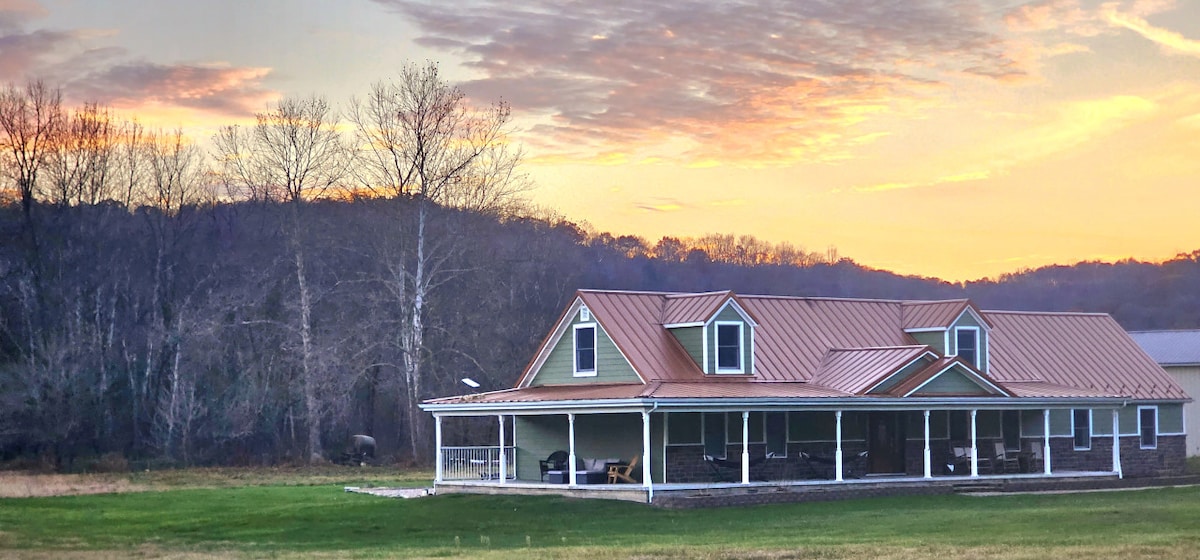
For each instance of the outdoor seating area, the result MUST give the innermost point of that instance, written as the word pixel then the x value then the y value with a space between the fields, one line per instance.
pixel 1001 460
pixel 589 470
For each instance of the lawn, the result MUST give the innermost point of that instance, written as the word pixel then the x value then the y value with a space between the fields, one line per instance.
pixel 323 521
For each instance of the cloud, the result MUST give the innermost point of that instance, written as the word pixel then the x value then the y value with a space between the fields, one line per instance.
pixel 88 70
pixel 755 82
pixel 1169 40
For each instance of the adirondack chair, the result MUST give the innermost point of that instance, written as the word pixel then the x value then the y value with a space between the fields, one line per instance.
pixel 622 472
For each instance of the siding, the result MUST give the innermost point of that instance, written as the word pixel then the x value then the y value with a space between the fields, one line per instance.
pixel 934 339
pixel 611 366
pixel 951 382
pixel 1188 378
pixel 901 375
pixel 692 340
pixel 1170 418
pixel 609 436
pixel 537 438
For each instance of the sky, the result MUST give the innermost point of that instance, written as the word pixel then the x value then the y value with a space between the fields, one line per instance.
pixel 959 139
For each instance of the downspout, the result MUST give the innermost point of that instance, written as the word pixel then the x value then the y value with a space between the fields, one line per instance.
pixel 650 487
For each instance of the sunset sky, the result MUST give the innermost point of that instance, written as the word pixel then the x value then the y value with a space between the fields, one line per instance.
pixel 949 138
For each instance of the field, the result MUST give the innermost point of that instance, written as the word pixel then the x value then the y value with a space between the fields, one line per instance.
pixel 288 513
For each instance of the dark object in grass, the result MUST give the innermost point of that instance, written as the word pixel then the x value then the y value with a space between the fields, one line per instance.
pixel 361 448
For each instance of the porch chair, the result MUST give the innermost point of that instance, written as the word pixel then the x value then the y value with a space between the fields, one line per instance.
pixel 557 461
pixel 1004 460
pixel 1036 463
pixel 722 470
pixel 962 459
pixel 622 472
pixel 818 466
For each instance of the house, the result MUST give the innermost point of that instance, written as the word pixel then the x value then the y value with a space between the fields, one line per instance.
pixel 719 390
pixel 1178 352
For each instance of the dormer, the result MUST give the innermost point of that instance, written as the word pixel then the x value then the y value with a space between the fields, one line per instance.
pixel 715 330
pixel 953 328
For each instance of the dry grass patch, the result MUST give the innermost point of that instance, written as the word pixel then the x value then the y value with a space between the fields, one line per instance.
pixel 29 485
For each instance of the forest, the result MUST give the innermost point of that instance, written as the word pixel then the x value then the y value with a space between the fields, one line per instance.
pixel 321 272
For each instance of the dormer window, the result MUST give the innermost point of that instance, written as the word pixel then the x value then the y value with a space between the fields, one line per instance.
pixel 966 339
pixel 585 350
pixel 729 348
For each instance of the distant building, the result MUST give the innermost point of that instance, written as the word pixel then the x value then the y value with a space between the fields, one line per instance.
pixel 1178 352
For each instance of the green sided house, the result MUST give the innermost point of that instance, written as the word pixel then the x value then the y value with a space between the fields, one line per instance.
pixel 634 395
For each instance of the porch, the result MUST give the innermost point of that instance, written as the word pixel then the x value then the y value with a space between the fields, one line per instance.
pixel 687 452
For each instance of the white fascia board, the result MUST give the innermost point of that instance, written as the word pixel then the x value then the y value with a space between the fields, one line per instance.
pixel 683 325
pixel 740 311
pixel 925 329
pixel 978 319
pixel 552 341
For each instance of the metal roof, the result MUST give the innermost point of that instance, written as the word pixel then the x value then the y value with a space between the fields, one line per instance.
pixel 1170 348
pixel 1081 350
pixel 854 370
pixel 692 308
pixel 842 346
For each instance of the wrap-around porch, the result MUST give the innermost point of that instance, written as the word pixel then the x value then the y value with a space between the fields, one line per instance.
pixel 797 449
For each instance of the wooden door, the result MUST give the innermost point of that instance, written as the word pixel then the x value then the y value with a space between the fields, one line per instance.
pixel 885 443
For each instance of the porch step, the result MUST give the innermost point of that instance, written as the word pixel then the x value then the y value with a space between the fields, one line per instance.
pixel 979 486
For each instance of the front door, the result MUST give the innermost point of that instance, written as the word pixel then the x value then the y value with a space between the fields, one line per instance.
pixel 885 443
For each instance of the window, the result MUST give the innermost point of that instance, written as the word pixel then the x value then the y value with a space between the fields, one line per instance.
pixel 714 434
pixel 1081 426
pixel 1148 426
pixel 729 348
pixel 585 350
pixel 733 422
pixel 967 341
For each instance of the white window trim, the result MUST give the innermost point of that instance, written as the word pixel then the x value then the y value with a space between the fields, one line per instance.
pixel 978 344
pixel 741 346
pixel 1139 425
pixel 575 351
pixel 1074 444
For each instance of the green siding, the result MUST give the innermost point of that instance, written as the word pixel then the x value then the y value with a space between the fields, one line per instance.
pixel 658 457
pixel 692 340
pixel 1170 418
pixel 933 339
pixel 952 382
pixel 1129 420
pixel 609 436
pixel 611 366
pixel 728 313
pixel 538 437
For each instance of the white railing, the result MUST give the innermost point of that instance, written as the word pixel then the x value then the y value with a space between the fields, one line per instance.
pixel 478 463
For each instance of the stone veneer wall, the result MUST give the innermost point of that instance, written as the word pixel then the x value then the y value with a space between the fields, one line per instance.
pixel 1168 459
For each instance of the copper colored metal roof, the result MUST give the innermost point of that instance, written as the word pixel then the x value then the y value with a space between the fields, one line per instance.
pixel 795 333
pixel 572 392
pixel 1173 348
pixel 1051 390
pixel 854 370
pixel 1081 350
pixel 701 390
pixel 692 308
pixel 931 314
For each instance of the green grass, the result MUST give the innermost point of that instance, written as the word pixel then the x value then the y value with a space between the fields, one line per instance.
pixel 324 521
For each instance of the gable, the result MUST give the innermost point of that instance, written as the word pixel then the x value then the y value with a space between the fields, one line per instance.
pixel 558 366
pixel 944 377
pixel 951 382
pixel 730 314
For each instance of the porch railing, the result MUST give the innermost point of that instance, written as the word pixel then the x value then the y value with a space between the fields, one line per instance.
pixel 478 463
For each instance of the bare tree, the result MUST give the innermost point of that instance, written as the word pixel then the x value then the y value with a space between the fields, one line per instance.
pixel 294 154
pixel 29 119
pixel 81 157
pixel 424 142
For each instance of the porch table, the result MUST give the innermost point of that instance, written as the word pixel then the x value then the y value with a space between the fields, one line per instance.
pixel 581 477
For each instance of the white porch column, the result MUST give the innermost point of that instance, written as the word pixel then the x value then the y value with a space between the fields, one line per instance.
pixel 928 455
pixel 974 447
pixel 1046 441
pixel 745 447
pixel 503 463
pixel 837 453
pixel 571 448
pixel 437 440
pixel 646 482
pixel 1117 445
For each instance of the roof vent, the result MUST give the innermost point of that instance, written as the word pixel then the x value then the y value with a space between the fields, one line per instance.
pixel 584 314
